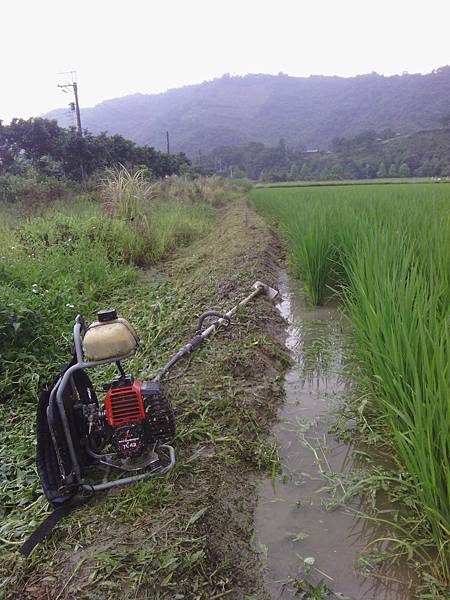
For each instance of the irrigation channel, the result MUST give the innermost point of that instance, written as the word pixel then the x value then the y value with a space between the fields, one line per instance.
pixel 299 531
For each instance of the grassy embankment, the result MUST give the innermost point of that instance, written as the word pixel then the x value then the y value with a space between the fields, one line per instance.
pixel 384 251
pixel 186 535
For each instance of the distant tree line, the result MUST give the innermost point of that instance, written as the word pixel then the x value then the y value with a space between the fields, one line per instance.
pixel 368 155
pixel 53 151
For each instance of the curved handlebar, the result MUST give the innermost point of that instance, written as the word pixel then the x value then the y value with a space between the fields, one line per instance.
pixel 210 313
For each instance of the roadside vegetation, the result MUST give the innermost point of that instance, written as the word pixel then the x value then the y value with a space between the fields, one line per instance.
pixel 63 258
pixel 383 251
pixel 60 259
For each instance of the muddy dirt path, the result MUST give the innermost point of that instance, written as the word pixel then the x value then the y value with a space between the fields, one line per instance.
pixel 301 531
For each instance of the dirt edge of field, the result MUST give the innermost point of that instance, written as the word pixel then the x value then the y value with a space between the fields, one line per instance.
pixel 241 250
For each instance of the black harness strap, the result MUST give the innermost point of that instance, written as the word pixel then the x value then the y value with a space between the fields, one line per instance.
pixel 62 501
pixel 53 519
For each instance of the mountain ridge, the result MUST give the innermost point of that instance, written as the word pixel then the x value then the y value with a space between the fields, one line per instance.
pixel 304 111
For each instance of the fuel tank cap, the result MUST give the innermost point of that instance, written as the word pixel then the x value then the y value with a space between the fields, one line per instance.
pixel 107 314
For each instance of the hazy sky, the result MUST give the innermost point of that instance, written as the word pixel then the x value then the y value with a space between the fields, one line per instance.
pixel 127 46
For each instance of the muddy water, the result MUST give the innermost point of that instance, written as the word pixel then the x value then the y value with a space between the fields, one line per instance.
pixel 295 518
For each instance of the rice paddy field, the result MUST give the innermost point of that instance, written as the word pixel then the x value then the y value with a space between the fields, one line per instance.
pixel 383 251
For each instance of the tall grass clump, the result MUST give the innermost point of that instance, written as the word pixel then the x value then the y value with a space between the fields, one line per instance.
pixel 385 250
pixel 126 192
pixel 151 217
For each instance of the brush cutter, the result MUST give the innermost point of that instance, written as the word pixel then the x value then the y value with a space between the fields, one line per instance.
pixel 84 445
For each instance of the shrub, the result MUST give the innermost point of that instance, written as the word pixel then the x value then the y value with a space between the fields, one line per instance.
pixel 32 190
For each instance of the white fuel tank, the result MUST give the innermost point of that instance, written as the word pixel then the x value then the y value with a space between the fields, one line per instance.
pixel 109 337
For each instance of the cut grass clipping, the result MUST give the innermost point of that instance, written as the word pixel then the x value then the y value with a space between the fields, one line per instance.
pixel 384 251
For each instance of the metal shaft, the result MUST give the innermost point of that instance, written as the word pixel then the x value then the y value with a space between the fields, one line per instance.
pixel 231 312
pixel 197 341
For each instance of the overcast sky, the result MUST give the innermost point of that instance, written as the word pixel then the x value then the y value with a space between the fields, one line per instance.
pixel 127 46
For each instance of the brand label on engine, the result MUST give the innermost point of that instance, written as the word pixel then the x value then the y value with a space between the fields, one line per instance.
pixel 130 444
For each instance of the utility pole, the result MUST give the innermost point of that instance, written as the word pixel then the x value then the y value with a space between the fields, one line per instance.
pixel 73 84
pixel 77 107
pixel 168 143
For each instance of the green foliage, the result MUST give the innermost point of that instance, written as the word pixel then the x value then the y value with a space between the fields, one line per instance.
pixel 54 151
pixel 293 172
pixel 32 188
pixel 382 172
pixel 305 171
pixel 69 260
pixel 393 170
pixel 403 170
pixel 215 191
pixel 51 271
pixel 385 250
pixel 366 156
pixel 310 245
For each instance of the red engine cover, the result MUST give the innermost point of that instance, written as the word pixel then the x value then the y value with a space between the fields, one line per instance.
pixel 124 404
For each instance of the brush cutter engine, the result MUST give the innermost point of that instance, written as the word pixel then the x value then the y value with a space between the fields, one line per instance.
pixel 137 416
pixel 125 436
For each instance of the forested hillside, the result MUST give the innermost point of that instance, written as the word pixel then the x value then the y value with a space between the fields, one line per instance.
pixel 368 155
pixel 307 112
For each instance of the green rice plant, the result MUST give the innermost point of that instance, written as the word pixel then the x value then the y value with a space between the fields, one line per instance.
pixel 385 250
pixel 401 344
pixel 312 251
